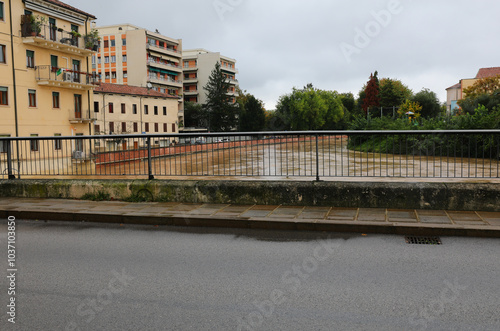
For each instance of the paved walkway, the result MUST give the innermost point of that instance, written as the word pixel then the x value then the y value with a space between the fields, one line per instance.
pixel 392 221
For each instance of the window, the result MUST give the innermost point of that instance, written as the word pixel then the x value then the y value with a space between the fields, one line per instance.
pixel 76 69
pixel 113 58
pixel 156 127
pixel 124 41
pixel 146 127
pixel 113 75
pixel 93 59
pixel 156 110
pixel 136 129
pixel 98 60
pixel 57 142
pixel 165 127
pixel 124 127
pixel 107 75
pixel 2 18
pixel 78 105
pixel 4 92
pixel 112 43
pixel 111 127
pixel 53 63
pixel 97 128
pixel 134 109
pixel 106 43
pixel 30 59
pixel 146 111
pixel 55 99
pixel 173 127
pixel 34 143
pixel 164 111
pixel 96 106
pixel 124 58
pixel 2 54
pixel 123 108
pixel 124 74
pixel 32 98
pixel 110 107
pixel 106 59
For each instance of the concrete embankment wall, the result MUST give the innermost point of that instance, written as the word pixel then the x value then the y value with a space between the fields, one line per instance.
pixel 397 195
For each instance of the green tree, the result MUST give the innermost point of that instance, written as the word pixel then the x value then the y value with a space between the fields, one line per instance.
pixel 485 92
pixel 194 116
pixel 310 109
pixel 252 115
pixel 348 101
pixel 429 102
pixel 221 111
pixel 393 92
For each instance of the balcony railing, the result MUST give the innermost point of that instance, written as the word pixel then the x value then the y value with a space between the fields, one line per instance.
pixel 165 79
pixel 49 75
pixel 49 36
pixel 173 65
pixel 169 49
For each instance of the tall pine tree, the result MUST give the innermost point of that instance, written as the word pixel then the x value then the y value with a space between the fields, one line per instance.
pixel 222 112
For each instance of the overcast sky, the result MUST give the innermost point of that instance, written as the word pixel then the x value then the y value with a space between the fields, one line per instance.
pixel 281 44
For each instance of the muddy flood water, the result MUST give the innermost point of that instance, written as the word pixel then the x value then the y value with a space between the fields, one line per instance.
pixel 294 158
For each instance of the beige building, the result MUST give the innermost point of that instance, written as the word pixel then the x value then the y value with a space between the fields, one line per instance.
pixel 198 65
pixel 126 109
pixel 45 85
pixel 455 93
pixel 130 55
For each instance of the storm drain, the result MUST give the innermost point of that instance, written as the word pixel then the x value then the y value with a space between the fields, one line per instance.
pixel 423 240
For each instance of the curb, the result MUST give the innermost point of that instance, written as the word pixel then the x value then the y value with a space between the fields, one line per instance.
pixel 262 223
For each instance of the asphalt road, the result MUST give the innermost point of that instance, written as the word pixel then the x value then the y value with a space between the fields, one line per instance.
pixel 111 277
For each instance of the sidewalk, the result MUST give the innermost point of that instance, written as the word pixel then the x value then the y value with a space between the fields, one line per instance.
pixel 330 219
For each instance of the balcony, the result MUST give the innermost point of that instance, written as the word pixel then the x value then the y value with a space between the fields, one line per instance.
pixel 190 92
pixel 66 78
pixel 190 68
pixel 191 80
pixel 164 50
pixel 51 37
pixel 82 120
pixel 164 81
pixel 163 65
pixel 225 67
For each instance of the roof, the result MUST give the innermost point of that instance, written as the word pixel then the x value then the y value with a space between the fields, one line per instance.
pixel 456 86
pixel 62 4
pixel 488 72
pixel 131 90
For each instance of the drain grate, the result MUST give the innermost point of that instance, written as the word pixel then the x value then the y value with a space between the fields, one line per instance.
pixel 423 240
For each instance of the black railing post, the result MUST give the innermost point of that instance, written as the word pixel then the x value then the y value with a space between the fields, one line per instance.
pixel 9 161
pixel 150 171
pixel 317 159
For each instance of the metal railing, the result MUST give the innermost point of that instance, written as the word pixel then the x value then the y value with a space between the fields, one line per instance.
pixel 52 33
pixel 65 75
pixel 472 154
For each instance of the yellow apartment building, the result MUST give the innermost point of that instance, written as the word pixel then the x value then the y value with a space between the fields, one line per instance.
pixel 130 55
pixel 45 84
pixel 126 109
pixel 198 65
pixel 455 93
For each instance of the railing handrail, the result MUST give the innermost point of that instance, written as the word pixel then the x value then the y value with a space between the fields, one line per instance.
pixel 259 133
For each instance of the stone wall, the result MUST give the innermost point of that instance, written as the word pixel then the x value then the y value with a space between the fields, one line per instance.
pixel 397 195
